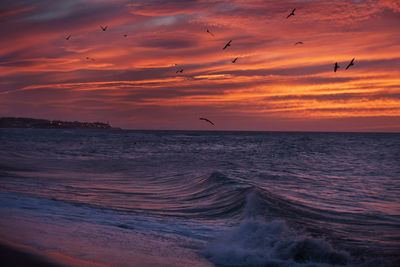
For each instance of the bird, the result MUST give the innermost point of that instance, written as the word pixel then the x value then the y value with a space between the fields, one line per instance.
pixel 291 14
pixel 234 61
pixel 67 38
pixel 336 67
pixel 90 58
pixel 210 33
pixel 207 120
pixel 298 43
pixel 103 28
pixel 180 69
pixel 125 35
pixel 228 44
pixel 350 64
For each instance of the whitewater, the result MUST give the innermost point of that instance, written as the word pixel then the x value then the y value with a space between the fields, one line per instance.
pixel 202 198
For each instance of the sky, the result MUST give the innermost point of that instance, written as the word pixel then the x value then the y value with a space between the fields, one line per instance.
pixel 132 81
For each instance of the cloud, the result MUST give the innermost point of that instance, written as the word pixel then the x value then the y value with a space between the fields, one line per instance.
pixel 392 4
pixel 10 12
pixel 135 76
pixel 168 42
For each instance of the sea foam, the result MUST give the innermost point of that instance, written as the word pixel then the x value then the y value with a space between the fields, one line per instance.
pixel 257 242
pixel 260 243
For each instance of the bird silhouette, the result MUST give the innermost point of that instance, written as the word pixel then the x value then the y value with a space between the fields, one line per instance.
pixel 210 33
pixel 291 14
pixel 103 28
pixel 228 44
pixel 298 43
pixel 234 61
pixel 180 69
pixel 125 35
pixel 336 67
pixel 67 38
pixel 207 120
pixel 90 58
pixel 350 64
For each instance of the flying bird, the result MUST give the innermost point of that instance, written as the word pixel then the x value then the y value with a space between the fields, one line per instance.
pixel 298 43
pixel 67 38
pixel 207 120
pixel 103 28
pixel 228 44
pixel 180 69
pixel 125 35
pixel 234 61
pixel 291 14
pixel 336 67
pixel 350 64
pixel 210 33
pixel 90 58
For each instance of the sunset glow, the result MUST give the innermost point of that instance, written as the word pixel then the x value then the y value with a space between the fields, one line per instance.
pixel 133 83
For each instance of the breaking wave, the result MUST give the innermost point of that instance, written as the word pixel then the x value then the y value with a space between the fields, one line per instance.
pixel 259 243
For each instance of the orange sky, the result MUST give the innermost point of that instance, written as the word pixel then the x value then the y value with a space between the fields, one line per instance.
pixel 132 81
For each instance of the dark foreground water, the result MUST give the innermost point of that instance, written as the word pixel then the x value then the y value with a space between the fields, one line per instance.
pixel 177 198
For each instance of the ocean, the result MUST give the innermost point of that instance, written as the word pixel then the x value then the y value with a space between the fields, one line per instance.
pixel 202 198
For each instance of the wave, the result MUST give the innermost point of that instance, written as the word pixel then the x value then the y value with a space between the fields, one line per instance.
pixel 210 196
pixel 260 243
pixel 260 239
pixel 217 196
pixel 257 242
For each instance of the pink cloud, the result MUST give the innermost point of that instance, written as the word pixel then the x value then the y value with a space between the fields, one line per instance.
pixel 135 76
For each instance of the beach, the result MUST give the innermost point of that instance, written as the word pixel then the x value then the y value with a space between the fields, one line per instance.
pixel 11 255
pixel 192 198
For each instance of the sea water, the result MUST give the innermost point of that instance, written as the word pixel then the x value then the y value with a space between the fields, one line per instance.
pixel 198 198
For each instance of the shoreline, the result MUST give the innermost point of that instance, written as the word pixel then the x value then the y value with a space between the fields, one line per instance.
pixel 19 255
pixel 13 122
pixel 16 255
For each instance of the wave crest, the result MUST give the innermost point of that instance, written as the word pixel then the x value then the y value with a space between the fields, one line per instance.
pixel 259 243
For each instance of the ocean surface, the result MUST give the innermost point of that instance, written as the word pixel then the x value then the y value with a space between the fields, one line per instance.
pixel 198 198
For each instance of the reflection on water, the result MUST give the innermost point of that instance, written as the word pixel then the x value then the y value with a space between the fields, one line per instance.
pixel 338 190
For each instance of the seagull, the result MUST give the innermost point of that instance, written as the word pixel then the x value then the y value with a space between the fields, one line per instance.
pixel 228 44
pixel 89 58
pixel 103 28
pixel 180 69
pixel 207 120
pixel 125 35
pixel 210 33
pixel 291 14
pixel 234 61
pixel 67 38
pixel 336 67
pixel 350 64
pixel 298 43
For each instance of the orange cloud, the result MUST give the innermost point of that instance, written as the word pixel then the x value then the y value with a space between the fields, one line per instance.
pixel 133 81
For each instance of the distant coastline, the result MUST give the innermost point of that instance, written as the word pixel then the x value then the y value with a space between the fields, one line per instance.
pixel 12 122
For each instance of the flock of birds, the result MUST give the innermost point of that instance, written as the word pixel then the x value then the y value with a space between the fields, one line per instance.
pixel 336 64
pixel 180 69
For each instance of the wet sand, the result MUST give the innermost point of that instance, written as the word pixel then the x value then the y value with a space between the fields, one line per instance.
pixel 12 256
